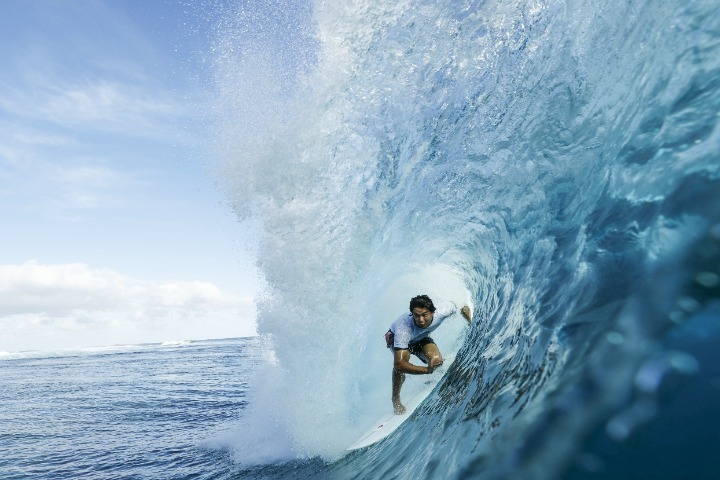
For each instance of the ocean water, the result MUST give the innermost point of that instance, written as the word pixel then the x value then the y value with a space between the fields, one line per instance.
pixel 553 164
pixel 131 412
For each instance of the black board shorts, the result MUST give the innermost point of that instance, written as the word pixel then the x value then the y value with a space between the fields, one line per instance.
pixel 415 348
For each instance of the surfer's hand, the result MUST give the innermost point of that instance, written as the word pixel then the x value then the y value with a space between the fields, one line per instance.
pixel 465 311
pixel 434 363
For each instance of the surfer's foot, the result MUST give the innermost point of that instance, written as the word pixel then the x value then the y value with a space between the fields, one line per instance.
pixel 398 407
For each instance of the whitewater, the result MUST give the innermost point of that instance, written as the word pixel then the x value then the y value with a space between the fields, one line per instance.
pixel 553 164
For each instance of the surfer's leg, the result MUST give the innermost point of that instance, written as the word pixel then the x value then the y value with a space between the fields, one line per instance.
pixel 432 352
pixel 397 380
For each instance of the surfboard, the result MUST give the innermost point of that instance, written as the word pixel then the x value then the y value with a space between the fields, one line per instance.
pixel 390 422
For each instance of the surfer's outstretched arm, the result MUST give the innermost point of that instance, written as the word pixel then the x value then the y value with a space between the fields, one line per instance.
pixel 402 364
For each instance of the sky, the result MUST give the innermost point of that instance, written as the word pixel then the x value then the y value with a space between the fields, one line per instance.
pixel 111 228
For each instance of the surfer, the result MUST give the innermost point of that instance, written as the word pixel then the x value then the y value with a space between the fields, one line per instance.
pixel 410 334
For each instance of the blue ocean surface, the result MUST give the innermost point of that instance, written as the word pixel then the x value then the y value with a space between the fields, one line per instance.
pixel 125 412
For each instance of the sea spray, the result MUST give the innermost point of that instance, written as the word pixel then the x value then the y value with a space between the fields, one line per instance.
pixel 542 161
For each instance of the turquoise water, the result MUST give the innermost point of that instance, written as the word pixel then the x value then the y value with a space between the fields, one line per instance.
pixel 554 164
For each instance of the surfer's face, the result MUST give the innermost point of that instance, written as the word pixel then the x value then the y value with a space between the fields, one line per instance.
pixel 422 316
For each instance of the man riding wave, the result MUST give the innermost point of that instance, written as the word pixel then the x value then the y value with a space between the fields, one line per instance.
pixel 410 334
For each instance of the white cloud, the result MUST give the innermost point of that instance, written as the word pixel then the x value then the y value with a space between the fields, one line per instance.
pixel 72 305
pixel 99 105
pixel 84 187
pixel 64 189
pixel 91 67
pixel 86 85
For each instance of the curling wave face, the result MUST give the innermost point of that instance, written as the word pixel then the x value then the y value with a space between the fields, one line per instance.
pixel 555 165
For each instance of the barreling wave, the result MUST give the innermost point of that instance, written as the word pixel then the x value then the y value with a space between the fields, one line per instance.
pixel 554 164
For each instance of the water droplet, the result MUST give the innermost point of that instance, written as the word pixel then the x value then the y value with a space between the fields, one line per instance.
pixel 707 279
pixel 615 338
pixel 688 304
pixel 684 363
pixel 715 231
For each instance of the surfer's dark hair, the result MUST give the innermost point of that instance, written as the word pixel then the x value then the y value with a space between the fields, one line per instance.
pixel 422 301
